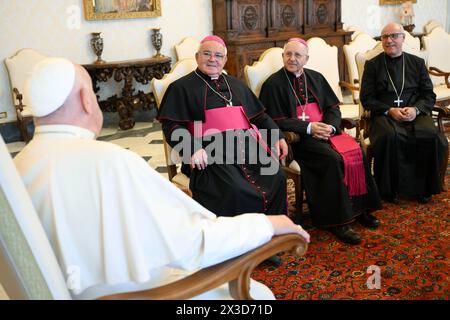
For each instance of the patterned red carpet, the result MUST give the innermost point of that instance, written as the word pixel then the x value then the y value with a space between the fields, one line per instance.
pixel 411 250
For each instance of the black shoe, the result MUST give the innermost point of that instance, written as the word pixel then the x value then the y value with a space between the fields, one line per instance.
pixel 274 260
pixel 368 220
pixel 346 234
pixel 424 199
pixel 392 198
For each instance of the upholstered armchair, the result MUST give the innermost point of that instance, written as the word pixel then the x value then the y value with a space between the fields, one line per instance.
pixel 29 268
pixel 19 67
pixel 361 43
pixel 324 59
pixel 437 44
pixel 159 87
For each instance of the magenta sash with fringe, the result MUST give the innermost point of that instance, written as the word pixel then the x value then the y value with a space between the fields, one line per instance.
pixel 354 174
pixel 346 146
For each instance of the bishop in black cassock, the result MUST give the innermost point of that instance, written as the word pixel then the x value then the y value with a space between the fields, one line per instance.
pixel 322 167
pixel 238 185
pixel 408 149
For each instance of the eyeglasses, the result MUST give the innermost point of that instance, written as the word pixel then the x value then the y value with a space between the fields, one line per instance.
pixel 208 54
pixel 296 55
pixel 393 36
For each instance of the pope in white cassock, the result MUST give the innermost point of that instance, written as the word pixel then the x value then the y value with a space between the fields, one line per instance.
pixel 106 212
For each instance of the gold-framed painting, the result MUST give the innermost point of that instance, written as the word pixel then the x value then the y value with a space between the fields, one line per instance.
pixel 121 9
pixel 382 2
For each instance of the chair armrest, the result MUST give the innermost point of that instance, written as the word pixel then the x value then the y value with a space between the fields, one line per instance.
pixel 443 112
pixel 348 86
pixel 439 73
pixel 290 137
pixel 236 271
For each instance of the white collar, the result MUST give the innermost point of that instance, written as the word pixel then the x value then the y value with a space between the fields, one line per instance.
pixel 64 130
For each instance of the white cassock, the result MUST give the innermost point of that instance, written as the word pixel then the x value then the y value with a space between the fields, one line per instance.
pixel 119 222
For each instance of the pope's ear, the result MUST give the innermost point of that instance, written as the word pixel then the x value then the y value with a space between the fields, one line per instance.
pixel 86 101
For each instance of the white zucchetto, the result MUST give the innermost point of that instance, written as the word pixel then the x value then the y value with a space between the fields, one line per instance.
pixel 49 85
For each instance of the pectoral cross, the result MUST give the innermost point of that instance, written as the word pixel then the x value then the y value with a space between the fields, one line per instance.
pixel 398 101
pixel 304 116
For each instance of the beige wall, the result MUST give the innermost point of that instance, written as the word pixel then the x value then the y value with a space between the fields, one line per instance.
pixel 57 27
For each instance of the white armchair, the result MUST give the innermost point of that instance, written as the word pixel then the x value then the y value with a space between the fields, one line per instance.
pixel 180 69
pixel 437 44
pixel 361 43
pixel 430 25
pixel 411 41
pixel 28 266
pixel 19 67
pixel 268 63
pixel 324 59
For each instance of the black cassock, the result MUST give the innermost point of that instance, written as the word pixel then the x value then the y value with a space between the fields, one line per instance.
pixel 232 188
pixel 407 155
pixel 322 167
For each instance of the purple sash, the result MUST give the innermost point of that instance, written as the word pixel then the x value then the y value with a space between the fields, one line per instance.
pixel 223 119
pixel 220 120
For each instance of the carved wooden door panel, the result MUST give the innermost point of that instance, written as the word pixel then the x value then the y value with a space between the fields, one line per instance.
pixel 250 18
pixel 323 15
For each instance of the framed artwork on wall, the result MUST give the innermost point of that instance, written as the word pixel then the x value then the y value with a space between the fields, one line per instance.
pixel 382 2
pixel 121 9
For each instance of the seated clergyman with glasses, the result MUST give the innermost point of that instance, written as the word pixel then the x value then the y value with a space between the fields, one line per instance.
pixel 408 150
pixel 230 147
